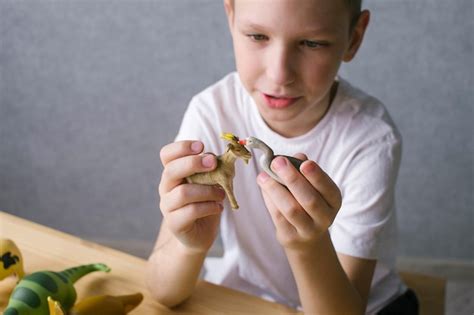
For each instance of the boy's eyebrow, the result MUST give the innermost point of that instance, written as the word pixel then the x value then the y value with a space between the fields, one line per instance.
pixel 306 31
pixel 251 25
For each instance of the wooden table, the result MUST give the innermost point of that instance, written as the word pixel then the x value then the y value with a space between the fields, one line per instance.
pixel 46 248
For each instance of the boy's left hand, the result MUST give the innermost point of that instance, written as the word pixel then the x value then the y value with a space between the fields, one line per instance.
pixel 303 210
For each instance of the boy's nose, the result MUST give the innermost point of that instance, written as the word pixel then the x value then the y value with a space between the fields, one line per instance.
pixel 279 66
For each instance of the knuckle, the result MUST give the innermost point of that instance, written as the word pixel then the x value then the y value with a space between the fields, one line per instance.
pixel 320 180
pixel 216 192
pixel 288 240
pixel 165 174
pixel 280 217
pixel 163 208
pixel 163 154
pixel 165 205
pixel 307 234
pixel 291 177
pixel 218 206
pixel 272 186
pixel 311 203
pixel 194 209
pixel 292 211
pixel 182 192
pixel 191 163
pixel 178 227
pixel 162 187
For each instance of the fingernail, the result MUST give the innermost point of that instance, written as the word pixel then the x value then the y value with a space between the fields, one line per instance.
pixel 208 161
pixel 308 168
pixel 279 163
pixel 263 177
pixel 196 146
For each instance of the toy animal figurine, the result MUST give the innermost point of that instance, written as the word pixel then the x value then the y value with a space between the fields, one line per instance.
pixel 224 172
pixel 268 156
pixel 30 296
pixel 107 305
pixel 102 304
pixel 11 261
pixel 54 307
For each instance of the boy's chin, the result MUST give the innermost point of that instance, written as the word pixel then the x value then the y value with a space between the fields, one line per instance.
pixel 278 115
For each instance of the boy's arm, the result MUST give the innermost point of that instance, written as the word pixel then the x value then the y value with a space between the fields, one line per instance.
pixel 360 272
pixel 172 270
pixel 191 215
pixel 328 284
pixel 302 213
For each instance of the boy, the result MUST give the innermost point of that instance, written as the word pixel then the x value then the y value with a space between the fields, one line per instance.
pixel 286 244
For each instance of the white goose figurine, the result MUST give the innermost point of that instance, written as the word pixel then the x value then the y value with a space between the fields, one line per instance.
pixel 268 156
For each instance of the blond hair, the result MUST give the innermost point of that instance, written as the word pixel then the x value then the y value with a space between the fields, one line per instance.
pixel 354 7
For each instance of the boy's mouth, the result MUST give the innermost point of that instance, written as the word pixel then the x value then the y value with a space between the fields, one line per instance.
pixel 279 102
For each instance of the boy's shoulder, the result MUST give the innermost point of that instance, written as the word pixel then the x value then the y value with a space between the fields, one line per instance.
pixel 358 110
pixel 356 124
pixel 228 88
pixel 356 101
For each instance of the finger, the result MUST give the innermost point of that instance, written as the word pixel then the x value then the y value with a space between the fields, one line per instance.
pixel 280 222
pixel 301 156
pixel 178 169
pixel 180 149
pixel 288 206
pixel 304 192
pixel 190 193
pixel 323 183
pixel 183 220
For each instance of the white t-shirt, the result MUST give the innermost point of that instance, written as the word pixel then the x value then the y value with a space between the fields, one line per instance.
pixel 356 144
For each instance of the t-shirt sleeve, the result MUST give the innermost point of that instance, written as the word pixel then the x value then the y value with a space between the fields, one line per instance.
pixel 363 223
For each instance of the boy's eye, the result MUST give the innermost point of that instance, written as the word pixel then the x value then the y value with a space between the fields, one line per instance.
pixel 257 37
pixel 312 43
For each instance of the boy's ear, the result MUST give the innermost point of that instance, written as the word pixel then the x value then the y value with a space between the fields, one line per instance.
pixel 229 10
pixel 357 35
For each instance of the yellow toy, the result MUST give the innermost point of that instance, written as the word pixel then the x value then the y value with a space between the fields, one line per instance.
pixel 224 172
pixel 107 305
pixel 54 307
pixel 11 261
pixel 102 304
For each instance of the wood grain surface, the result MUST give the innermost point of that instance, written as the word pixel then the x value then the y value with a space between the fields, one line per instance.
pixel 44 248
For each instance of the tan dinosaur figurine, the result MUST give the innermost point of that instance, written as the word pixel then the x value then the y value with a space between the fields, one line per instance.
pixel 224 172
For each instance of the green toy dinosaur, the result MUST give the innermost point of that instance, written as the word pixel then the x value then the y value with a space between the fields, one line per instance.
pixel 30 296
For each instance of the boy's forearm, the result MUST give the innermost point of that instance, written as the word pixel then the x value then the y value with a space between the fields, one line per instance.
pixel 322 283
pixel 172 272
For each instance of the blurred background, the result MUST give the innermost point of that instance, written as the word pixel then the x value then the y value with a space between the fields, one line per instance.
pixel 91 90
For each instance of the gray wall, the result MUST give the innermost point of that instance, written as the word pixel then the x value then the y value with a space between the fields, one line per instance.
pixel 91 90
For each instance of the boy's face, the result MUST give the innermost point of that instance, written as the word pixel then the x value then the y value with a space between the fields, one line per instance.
pixel 287 55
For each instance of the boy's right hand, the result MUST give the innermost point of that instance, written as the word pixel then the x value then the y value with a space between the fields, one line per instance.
pixel 190 211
